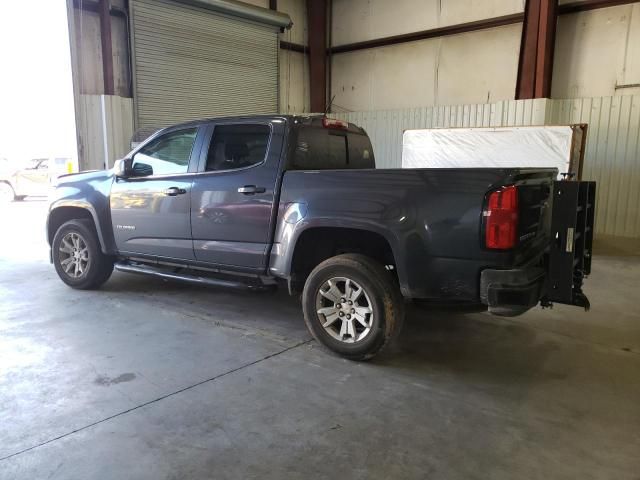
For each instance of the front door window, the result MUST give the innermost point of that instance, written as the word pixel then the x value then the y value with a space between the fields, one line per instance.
pixel 167 155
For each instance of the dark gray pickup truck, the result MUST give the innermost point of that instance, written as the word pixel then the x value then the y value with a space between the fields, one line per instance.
pixel 252 202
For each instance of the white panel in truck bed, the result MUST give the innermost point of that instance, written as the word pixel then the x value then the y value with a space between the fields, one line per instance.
pixel 544 146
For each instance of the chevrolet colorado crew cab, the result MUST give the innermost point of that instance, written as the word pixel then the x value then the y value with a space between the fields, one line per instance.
pixel 252 202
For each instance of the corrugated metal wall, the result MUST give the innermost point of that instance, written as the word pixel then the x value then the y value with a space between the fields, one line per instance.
pixel 612 156
pixel 105 128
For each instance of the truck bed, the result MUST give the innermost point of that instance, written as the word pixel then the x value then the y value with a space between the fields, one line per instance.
pixel 432 218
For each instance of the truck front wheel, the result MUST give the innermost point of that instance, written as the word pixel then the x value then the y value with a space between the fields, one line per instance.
pixel 352 306
pixel 77 257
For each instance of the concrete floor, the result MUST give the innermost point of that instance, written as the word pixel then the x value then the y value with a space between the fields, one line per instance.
pixel 146 379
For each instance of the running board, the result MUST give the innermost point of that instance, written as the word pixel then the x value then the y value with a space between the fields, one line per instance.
pixel 195 279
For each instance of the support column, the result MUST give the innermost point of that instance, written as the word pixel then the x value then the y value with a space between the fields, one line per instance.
pixel 107 53
pixel 535 65
pixel 317 25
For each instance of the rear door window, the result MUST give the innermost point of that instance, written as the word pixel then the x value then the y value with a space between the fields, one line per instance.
pixel 237 146
pixel 326 149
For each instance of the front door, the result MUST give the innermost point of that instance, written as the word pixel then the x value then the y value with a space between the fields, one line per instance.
pixel 233 195
pixel 150 209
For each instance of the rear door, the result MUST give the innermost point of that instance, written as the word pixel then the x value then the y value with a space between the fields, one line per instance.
pixel 151 210
pixel 234 192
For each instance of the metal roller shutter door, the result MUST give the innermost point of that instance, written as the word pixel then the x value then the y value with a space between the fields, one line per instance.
pixel 190 62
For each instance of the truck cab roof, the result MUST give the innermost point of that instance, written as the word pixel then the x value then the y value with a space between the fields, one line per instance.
pixel 312 120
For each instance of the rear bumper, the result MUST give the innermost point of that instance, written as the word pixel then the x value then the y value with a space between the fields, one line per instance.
pixel 512 292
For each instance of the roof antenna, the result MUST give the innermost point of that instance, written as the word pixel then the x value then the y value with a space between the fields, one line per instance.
pixel 328 109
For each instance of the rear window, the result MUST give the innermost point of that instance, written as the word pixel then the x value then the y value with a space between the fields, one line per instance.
pixel 327 149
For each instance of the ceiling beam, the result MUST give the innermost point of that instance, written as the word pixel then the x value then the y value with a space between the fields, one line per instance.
pixel 432 33
pixel 294 47
pixel 586 5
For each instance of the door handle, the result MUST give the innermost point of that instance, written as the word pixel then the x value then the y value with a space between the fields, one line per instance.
pixel 251 189
pixel 174 191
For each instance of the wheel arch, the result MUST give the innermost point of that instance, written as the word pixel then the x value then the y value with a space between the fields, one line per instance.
pixel 8 182
pixel 61 214
pixel 315 244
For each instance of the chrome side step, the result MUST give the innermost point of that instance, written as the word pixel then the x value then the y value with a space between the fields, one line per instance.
pixel 186 277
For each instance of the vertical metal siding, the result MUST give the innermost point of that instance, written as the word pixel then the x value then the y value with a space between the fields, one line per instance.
pixel 113 125
pixel 612 155
pixel 190 62
pixel 89 132
pixel 119 126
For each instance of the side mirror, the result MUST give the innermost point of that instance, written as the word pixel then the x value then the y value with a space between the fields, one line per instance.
pixel 122 168
pixel 141 169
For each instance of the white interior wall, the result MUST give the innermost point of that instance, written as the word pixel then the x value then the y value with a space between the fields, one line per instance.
pixel 359 20
pixel 294 82
pixel 294 66
pixel 475 67
pixel 297 10
pixel 595 51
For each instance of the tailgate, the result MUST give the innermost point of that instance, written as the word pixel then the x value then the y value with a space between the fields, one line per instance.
pixel 571 241
pixel 534 213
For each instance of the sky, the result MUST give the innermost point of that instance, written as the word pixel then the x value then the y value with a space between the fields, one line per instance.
pixel 36 93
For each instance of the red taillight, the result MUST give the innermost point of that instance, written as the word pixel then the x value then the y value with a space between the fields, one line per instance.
pixel 334 123
pixel 501 219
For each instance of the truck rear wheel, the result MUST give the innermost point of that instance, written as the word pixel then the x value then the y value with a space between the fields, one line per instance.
pixel 77 257
pixel 352 306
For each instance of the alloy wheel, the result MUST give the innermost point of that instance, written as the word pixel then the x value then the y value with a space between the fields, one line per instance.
pixel 73 255
pixel 344 309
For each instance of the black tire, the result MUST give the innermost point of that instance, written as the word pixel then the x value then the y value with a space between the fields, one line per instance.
pixel 383 294
pixel 99 266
